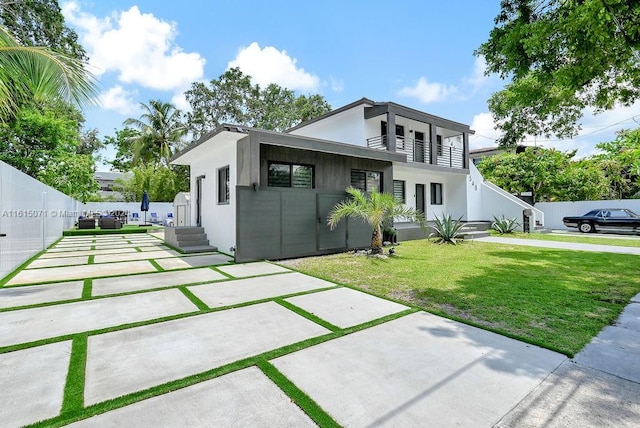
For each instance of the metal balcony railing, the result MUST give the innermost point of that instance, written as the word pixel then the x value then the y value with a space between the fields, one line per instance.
pixel 416 150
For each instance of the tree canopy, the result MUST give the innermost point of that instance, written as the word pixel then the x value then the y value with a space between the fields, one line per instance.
pixel 562 56
pixel 233 99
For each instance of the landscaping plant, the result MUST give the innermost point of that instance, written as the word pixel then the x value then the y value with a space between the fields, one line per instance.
pixel 504 225
pixel 446 229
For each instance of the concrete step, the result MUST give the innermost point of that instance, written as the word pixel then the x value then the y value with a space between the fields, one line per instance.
pixel 187 230
pixel 193 242
pixel 190 237
pixel 474 234
pixel 198 249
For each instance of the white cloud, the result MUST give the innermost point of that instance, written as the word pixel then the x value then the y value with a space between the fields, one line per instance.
pixel 138 46
pixel 270 65
pixel 119 100
pixel 428 92
pixel 179 100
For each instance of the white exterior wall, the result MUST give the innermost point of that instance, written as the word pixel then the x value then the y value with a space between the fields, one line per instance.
pixel 554 211
pixel 32 215
pixel 454 199
pixel 346 127
pixel 494 201
pixel 219 221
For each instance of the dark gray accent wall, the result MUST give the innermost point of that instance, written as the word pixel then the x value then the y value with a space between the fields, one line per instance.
pixel 278 223
pixel 332 172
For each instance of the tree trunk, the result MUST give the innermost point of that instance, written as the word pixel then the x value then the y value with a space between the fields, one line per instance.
pixel 376 241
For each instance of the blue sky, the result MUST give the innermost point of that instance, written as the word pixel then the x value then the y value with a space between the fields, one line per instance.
pixel 415 53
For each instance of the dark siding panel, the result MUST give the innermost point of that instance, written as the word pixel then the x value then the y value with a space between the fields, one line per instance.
pixel 330 239
pixel 258 225
pixel 359 234
pixel 298 223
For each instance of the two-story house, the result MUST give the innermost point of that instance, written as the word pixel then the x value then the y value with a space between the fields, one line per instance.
pixel 266 195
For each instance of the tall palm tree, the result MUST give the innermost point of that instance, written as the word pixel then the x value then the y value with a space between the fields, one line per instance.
pixel 374 208
pixel 32 73
pixel 160 130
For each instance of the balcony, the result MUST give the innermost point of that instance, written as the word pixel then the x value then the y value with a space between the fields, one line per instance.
pixel 449 155
pixel 416 150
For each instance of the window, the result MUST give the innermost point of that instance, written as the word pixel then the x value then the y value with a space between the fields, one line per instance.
pixel 439 144
pixel 223 185
pixel 290 175
pixel 436 193
pixel 366 180
pixel 398 191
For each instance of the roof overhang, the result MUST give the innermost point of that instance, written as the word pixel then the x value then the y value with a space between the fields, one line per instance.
pixel 223 133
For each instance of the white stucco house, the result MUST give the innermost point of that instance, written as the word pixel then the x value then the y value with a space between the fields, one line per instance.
pixel 266 195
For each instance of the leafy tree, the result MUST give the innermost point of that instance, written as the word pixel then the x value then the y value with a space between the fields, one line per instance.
pixel 40 23
pixel 161 182
pixel 121 141
pixel 72 174
pixel 550 174
pixel 373 208
pixel 31 75
pixel 620 160
pixel 160 130
pixel 232 98
pixel 562 56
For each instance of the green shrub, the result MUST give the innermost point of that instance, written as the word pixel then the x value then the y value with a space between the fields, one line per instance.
pixel 504 225
pixel 446 230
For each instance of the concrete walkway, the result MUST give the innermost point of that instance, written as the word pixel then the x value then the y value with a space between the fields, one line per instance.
pixel 198 341
pixel 562 245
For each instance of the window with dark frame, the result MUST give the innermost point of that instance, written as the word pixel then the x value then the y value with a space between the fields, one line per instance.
pixel 439 144
pixel 290 175
pixel 366 180
pixel 399 191
pixel 223 185
pixel 436 193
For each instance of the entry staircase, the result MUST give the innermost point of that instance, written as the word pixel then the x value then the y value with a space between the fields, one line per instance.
pixel 188 239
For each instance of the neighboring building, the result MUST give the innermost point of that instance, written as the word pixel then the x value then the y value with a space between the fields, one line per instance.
pixel 266 195
pixel 106 181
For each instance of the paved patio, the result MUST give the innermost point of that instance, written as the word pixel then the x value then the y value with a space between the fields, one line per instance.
pixel 182 340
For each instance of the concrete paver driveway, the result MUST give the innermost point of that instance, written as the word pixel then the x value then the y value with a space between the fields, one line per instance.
pixel 199 341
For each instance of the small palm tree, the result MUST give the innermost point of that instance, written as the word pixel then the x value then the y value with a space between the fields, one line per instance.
pixel 161 129
pixel 32 73
pixel 374 208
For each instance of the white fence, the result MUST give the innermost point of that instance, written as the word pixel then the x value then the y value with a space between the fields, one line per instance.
pixel 554 211
pixel 162 209
pixel 32 217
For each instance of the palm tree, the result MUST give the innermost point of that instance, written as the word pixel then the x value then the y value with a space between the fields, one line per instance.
pixel 374 208
pixel 32 73
pixel 160 130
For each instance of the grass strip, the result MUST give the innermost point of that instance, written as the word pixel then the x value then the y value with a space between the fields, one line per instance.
pixel 138 249
pixel 194 299
pixel 305 314
pixel 73 399
pixel 156 265
pixel 19 269
pixel 91 259
pixel 86 288
pixel 40 342
pixel 134 397
pixel 306 403
pixel 125 230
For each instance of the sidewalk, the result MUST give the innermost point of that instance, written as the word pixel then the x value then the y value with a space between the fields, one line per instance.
pixel 562 245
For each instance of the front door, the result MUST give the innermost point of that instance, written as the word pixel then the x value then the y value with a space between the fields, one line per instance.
pixel 420 199
pixel 199 201
pixel 330 239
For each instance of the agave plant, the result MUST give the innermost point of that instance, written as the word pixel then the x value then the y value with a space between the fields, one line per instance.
pixel 504 225
pixel 446 229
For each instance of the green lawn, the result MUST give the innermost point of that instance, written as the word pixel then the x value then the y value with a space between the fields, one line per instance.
pixel 127 228
pixel 622 241
pixel 554 298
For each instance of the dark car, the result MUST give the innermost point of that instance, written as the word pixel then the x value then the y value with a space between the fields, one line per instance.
pixel 604 218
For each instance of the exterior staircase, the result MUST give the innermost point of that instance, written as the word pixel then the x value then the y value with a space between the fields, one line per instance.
pixel 475 229
pixel 188 239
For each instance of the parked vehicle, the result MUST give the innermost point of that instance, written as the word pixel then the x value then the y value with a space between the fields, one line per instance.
pixel 604 218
